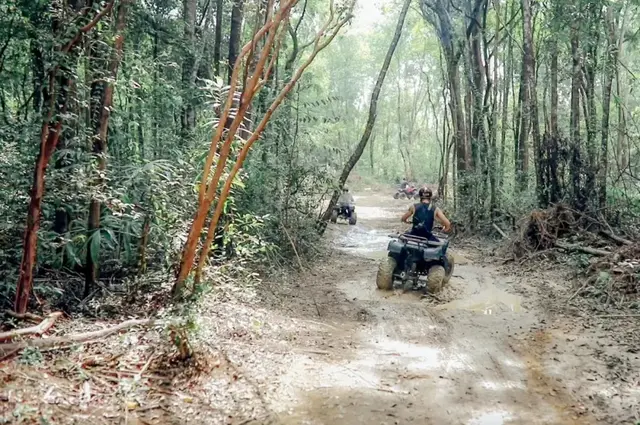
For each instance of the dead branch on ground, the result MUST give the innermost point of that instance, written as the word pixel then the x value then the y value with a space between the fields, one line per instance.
pixel 582 249
pixel 84 337
pixel 43 327
pixel 25 316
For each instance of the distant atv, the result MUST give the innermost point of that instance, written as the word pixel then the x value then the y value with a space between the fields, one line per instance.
pixel 345 212
pixel 407 192
pixel 411 257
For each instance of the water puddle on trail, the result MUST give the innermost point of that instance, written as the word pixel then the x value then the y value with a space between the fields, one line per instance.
pixel 367 243
pixel 488 301
pixel 491 418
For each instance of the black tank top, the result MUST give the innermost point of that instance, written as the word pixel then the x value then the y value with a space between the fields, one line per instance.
pixel 423 217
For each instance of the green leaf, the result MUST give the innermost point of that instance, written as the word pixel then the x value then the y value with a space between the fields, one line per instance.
pixel 94 246
pixel 71 254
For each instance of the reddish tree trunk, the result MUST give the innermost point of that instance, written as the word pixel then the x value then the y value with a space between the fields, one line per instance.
pixel 49 139
pixel 58 90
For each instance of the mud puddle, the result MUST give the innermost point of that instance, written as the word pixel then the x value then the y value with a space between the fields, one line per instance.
pixel 488 301
pixel 363 242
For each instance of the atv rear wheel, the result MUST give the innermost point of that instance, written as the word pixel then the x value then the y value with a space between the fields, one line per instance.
pixel 353 219
pixel 449 270
pixel 435 279
pixel 403 195
pixel 334 216
pixel 384 278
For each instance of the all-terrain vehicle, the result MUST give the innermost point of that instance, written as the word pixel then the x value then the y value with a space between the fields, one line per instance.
pixel 407 192
pixel 345 212
pixel 411 257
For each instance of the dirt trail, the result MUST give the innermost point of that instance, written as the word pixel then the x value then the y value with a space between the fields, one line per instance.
pixel 475 357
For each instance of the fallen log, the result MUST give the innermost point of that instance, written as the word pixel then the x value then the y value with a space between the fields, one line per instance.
pixel 24 316
pixel 85 337
pixel 43 327
pixel 616 238
pixel 583 249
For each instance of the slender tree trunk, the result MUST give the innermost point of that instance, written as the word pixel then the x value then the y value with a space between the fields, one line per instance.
pixel 48 140
pixel 189 8
pixel 622 146
pixel 610 64
pixel 506 85
pixel 493 117
pixel 373 108
pixel 522 162
pixel 100 147
pixel 59 85
pixel 532 86
pixel 553 147
pixel 478 84
pixel 217 43
pixel 438 14
pixel 235 36
pixel 371 153
pixel 574 122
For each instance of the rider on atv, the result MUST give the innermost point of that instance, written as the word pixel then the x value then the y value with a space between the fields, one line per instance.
pixel 424 214
pixel 346 200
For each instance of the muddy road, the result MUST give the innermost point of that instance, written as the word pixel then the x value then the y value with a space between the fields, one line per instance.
pixel 483 353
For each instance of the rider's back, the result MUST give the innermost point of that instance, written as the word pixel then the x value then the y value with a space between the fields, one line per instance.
pixel 423 219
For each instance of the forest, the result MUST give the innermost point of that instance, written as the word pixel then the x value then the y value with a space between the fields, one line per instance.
pixel 165 162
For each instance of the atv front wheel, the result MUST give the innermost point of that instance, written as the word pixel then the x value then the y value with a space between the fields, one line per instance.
pixel 353 219
pixel 403 195
pixel 435 279
pixel 396 195
pixel 449 270
pixel 384 279
pixel 334 216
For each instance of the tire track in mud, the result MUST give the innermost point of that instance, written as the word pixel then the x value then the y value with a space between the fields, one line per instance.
pixel 413 361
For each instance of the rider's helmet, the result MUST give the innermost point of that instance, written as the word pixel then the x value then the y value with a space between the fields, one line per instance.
pixel 425 193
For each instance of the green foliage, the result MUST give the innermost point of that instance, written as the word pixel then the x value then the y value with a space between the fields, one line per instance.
pixel 31 356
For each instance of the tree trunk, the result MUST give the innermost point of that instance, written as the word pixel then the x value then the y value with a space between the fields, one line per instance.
pixel 622 146
pixel 100 148
pixel 438 14
pixel 188 120
pixel 235 35
pixel 478 83
pixel 574 122
pixel 371 146
pixel 532 86
pixel 59 85
pixel 217 43
pixel 610 64
pixel 522 160
pixel 493 117
pixel 552 142
pixel 506 85
pixel 373 107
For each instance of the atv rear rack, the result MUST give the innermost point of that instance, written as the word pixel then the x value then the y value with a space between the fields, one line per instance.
pixel 420 241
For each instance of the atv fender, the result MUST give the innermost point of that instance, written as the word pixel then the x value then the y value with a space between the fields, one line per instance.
pixel 395 247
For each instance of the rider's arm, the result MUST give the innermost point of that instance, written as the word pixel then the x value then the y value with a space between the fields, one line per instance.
pixel 409 213
pixel 443 219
